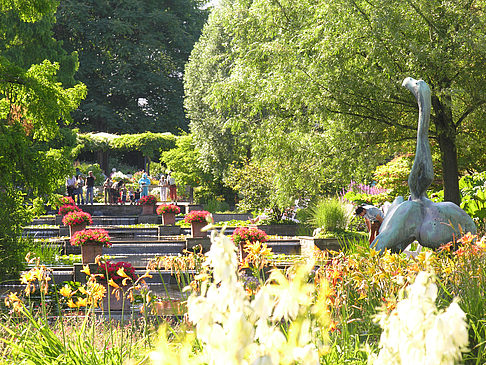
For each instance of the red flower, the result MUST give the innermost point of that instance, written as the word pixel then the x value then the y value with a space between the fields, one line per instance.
pixel 197 216
pixel 91 237
pixel 168 208
pixel 75 218
pixel 110 269
pixel 65 209
pixel 252 235
pixel 147 200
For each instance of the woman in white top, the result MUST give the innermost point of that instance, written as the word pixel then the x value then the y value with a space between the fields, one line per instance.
pixel 164 187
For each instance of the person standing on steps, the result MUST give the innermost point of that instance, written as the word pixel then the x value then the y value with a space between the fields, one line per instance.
pixel 164 186
pixel 70 186
pixel 78 190
pixel 373 218
pixel 144 183
pixel 172 188
pixel 90 180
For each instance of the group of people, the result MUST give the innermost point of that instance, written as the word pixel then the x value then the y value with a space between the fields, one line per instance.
pixel 75 185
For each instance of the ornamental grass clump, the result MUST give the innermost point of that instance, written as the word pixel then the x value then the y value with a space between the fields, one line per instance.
pixel 68 208
pixel 77 218
pixel 168 208
pixel 147 200
pixel 248 235
pixel 91 237
pixel 198 216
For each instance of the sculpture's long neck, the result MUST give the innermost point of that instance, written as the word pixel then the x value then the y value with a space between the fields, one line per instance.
pixel 422 173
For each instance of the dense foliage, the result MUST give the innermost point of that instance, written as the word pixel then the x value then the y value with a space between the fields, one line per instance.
pixel 314 89
pixel 131 56
pixel 34 157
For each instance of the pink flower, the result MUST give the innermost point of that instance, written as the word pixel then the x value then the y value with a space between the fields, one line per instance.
pixel 147 200
pixel 252 235
pixel 65 209
pixel 91 237
pixel 197 216
pixel 76 217
pixel 168 208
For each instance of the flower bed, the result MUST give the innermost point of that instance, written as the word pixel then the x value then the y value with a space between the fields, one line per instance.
pixel 168 208
pixel 68 208
pixel 76 218
pixel 197 216
pixel 91 237
pixel 148 200
pixel 251 235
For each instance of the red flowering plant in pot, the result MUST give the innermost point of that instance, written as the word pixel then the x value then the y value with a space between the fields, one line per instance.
pixel 198 219
pixel 68 208
pixel 168 212
pixel 89 237
pixel 147 200
pixel 91 242
pixel 168 208
pixel 243 236
pixel 76 218
pixel 148 203
pixel 197 216
pixel 77 221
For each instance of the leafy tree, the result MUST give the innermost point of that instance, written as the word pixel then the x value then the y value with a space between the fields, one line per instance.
pixel 32 102
pixel 333 71
pixel 184 161
pixel 132 56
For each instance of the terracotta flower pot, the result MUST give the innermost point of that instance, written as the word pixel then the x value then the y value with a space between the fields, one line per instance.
pixel 196 229
pixel 168 219
pixel 77 228
pixel 148 209
pixel 89 253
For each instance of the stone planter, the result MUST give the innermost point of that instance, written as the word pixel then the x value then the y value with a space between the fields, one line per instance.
pixel 204 242
pixel 114 304
pixel 169 231
pixel 308 245
pixel 278 229
pixel 89 253
pixel 76 228
pixel 148 209
pixel 168 307
pixel 168 219
pixel 196 229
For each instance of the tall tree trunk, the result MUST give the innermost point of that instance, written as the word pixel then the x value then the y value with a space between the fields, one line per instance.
pixel 446 133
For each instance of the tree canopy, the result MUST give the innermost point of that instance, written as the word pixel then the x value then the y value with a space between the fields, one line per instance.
pixel 131 55
pixel 315 88
pixel 32 104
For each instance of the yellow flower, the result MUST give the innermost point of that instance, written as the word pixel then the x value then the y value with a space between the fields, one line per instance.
pixel 82 302
pixel 71 304
pixel 112 283
pixel 121 272
pixel 82 290
pixel 15 301
pixel 86 270
pixel 66 291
